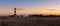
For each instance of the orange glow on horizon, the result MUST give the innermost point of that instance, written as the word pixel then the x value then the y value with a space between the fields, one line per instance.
pixel 32 12
pixel 39 12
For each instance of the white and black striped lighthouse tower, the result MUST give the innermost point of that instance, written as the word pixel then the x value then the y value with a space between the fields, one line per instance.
pixel 14 12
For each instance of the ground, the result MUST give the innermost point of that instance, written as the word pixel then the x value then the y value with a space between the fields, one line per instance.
pixel 30 21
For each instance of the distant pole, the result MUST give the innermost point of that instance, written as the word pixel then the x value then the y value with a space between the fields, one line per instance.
pixel 14 12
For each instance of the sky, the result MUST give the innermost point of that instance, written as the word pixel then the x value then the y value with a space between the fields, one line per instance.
pixel 30 7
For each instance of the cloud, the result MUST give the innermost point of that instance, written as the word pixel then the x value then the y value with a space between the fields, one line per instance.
pixel 53 9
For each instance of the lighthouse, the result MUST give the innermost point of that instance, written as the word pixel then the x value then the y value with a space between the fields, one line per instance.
pixel 14 12
pixel 15 15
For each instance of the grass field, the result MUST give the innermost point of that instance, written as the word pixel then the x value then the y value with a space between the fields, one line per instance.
pixel 30 21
